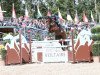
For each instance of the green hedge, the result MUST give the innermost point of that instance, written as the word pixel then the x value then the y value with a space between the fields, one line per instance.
pixel 96 49
pixel 96 37
pixel 3 53
pixel 95 30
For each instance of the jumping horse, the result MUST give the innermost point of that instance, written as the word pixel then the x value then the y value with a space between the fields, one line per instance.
pixel 55 27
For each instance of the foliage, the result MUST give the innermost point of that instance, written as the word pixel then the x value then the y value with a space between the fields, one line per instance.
pixel 95 30
pixel 7 6
pixel 63 5
pixel 1 47
pixel 96 38
pixel 3 53
pixel 96 49
pixel 98 7
pixel 98 29
pixel 87 7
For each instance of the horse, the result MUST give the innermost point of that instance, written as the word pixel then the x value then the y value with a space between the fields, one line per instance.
pixel 55 27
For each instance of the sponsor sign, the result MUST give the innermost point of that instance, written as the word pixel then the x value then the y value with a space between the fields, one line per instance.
pixel 48 52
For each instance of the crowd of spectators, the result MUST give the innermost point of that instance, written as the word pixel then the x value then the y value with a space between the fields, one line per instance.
pixel 38 27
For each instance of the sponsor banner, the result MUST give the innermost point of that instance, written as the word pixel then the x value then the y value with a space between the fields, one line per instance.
pixel 48 52
pixel 55 56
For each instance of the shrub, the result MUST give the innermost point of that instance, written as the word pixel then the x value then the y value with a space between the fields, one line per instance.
pixel 96 37
pixel 95 29
pixel 98 29
pixel 3 53
pixel 96 49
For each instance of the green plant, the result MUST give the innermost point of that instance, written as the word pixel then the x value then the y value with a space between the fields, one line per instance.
pixel 98 29
pixel 96 37
pixel 3 53
pixel 96 50
pixel 93 30
pixel 1 47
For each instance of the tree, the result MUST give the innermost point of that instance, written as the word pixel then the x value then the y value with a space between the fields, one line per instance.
pixel 63 5
pixel 7 6
pixel 87 7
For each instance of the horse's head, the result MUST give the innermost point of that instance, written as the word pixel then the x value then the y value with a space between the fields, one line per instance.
pixel 53 27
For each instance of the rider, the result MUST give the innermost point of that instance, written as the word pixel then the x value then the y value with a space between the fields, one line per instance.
pixel 56 19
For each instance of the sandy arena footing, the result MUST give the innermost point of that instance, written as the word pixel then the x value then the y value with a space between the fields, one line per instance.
pixel 52 69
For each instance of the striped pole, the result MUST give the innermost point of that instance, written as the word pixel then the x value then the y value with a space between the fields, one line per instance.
pixel 20 47
pixel 73 51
